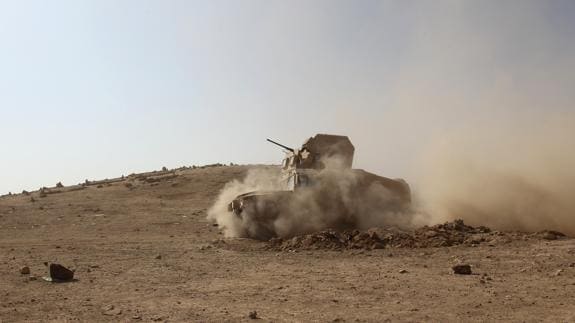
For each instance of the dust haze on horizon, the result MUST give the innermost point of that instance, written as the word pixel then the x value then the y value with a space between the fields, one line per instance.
pixel 471 102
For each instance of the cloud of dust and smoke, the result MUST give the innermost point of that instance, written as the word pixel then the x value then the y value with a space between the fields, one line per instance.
pixel 508 179
pixel 257 179
pixel 338 198
pixel 487 111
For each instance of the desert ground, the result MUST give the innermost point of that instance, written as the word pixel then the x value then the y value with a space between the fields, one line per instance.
pixel 143 250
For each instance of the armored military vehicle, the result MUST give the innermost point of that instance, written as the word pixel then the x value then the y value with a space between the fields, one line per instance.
pixel 320 174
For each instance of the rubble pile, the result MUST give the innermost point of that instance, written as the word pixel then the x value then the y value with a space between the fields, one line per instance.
pixel 451 234
pixel 442 235
pixel 330 239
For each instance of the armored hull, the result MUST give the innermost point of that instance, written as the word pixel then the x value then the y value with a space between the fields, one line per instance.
pixel 337 194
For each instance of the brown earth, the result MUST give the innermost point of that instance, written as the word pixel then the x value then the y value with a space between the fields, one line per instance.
pixel 142 250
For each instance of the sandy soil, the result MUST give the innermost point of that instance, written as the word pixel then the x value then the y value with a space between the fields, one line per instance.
pixel 143 250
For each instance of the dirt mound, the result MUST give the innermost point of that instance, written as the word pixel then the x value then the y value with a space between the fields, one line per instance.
pixel 330 239
pixel 450 234
pixel 441 235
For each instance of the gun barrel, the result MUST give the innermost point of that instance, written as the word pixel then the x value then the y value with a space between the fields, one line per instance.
pixel 284 147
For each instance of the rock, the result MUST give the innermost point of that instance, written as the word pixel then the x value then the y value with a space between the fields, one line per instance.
pixel 111 310
pixel 60 273
pixel 461 269
pixel 476 239
pixel 403 271
pixel 548 236
pixel 551 235
pixel 158 257
pixel 253 315
pixel 59 185
pixel 25 270
pixel 557 272
pixel 377 245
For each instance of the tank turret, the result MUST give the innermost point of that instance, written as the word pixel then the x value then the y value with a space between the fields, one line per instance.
pixel 317 150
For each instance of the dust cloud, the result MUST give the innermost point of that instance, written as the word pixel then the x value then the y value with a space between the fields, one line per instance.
pixel 339 199
pixel 512 178
pixel 507 177
pixel 257 179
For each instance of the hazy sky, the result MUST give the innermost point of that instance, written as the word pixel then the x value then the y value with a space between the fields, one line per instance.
pixel 96 89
